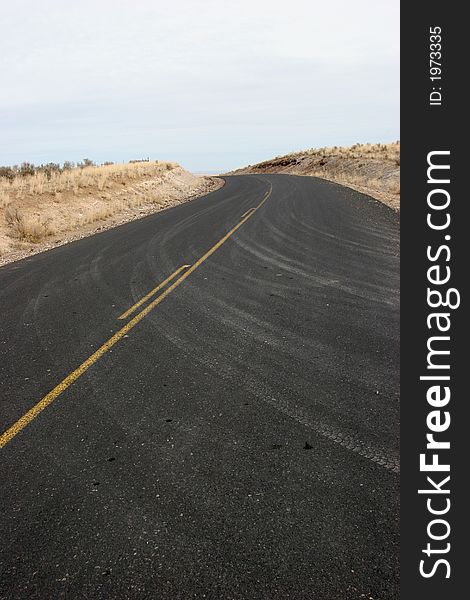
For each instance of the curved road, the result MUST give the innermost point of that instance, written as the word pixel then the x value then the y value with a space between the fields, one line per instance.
pixel 237 441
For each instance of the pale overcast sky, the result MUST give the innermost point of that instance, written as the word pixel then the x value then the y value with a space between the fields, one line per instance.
pixel 211 84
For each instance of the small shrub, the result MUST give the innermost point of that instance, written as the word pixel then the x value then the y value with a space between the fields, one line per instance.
pixel 27 168
pixel 7 172
pixel 48 169
pixel 26 227
pixel 87 162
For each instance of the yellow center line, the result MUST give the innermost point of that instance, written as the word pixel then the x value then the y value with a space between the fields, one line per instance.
pixel 29 416
pixel 135 306
pixel 249 210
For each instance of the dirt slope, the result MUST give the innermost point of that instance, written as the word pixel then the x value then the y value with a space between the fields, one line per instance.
pixel 370 168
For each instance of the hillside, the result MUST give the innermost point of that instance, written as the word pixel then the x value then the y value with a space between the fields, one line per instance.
pixel 42 207
pixel 370 168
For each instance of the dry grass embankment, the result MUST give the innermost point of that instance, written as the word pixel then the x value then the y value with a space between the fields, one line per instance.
pixel 373 169
pixel 43 208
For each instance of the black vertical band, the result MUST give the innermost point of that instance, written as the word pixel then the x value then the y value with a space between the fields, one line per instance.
pixel 434 272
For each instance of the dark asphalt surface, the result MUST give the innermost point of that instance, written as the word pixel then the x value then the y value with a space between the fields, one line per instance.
pixel 242 441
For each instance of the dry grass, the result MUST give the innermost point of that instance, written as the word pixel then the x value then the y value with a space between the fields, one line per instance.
pixel 359 181
pixel 27 227
pixel 388 152
pixel 38 205
pixel 4 197
pixel 76 180
pixel 370 168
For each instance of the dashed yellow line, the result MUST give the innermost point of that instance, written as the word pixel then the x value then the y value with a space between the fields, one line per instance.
pixel 29 416
pixel 135 306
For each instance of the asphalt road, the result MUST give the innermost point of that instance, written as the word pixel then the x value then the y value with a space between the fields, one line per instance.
pixel 238 442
